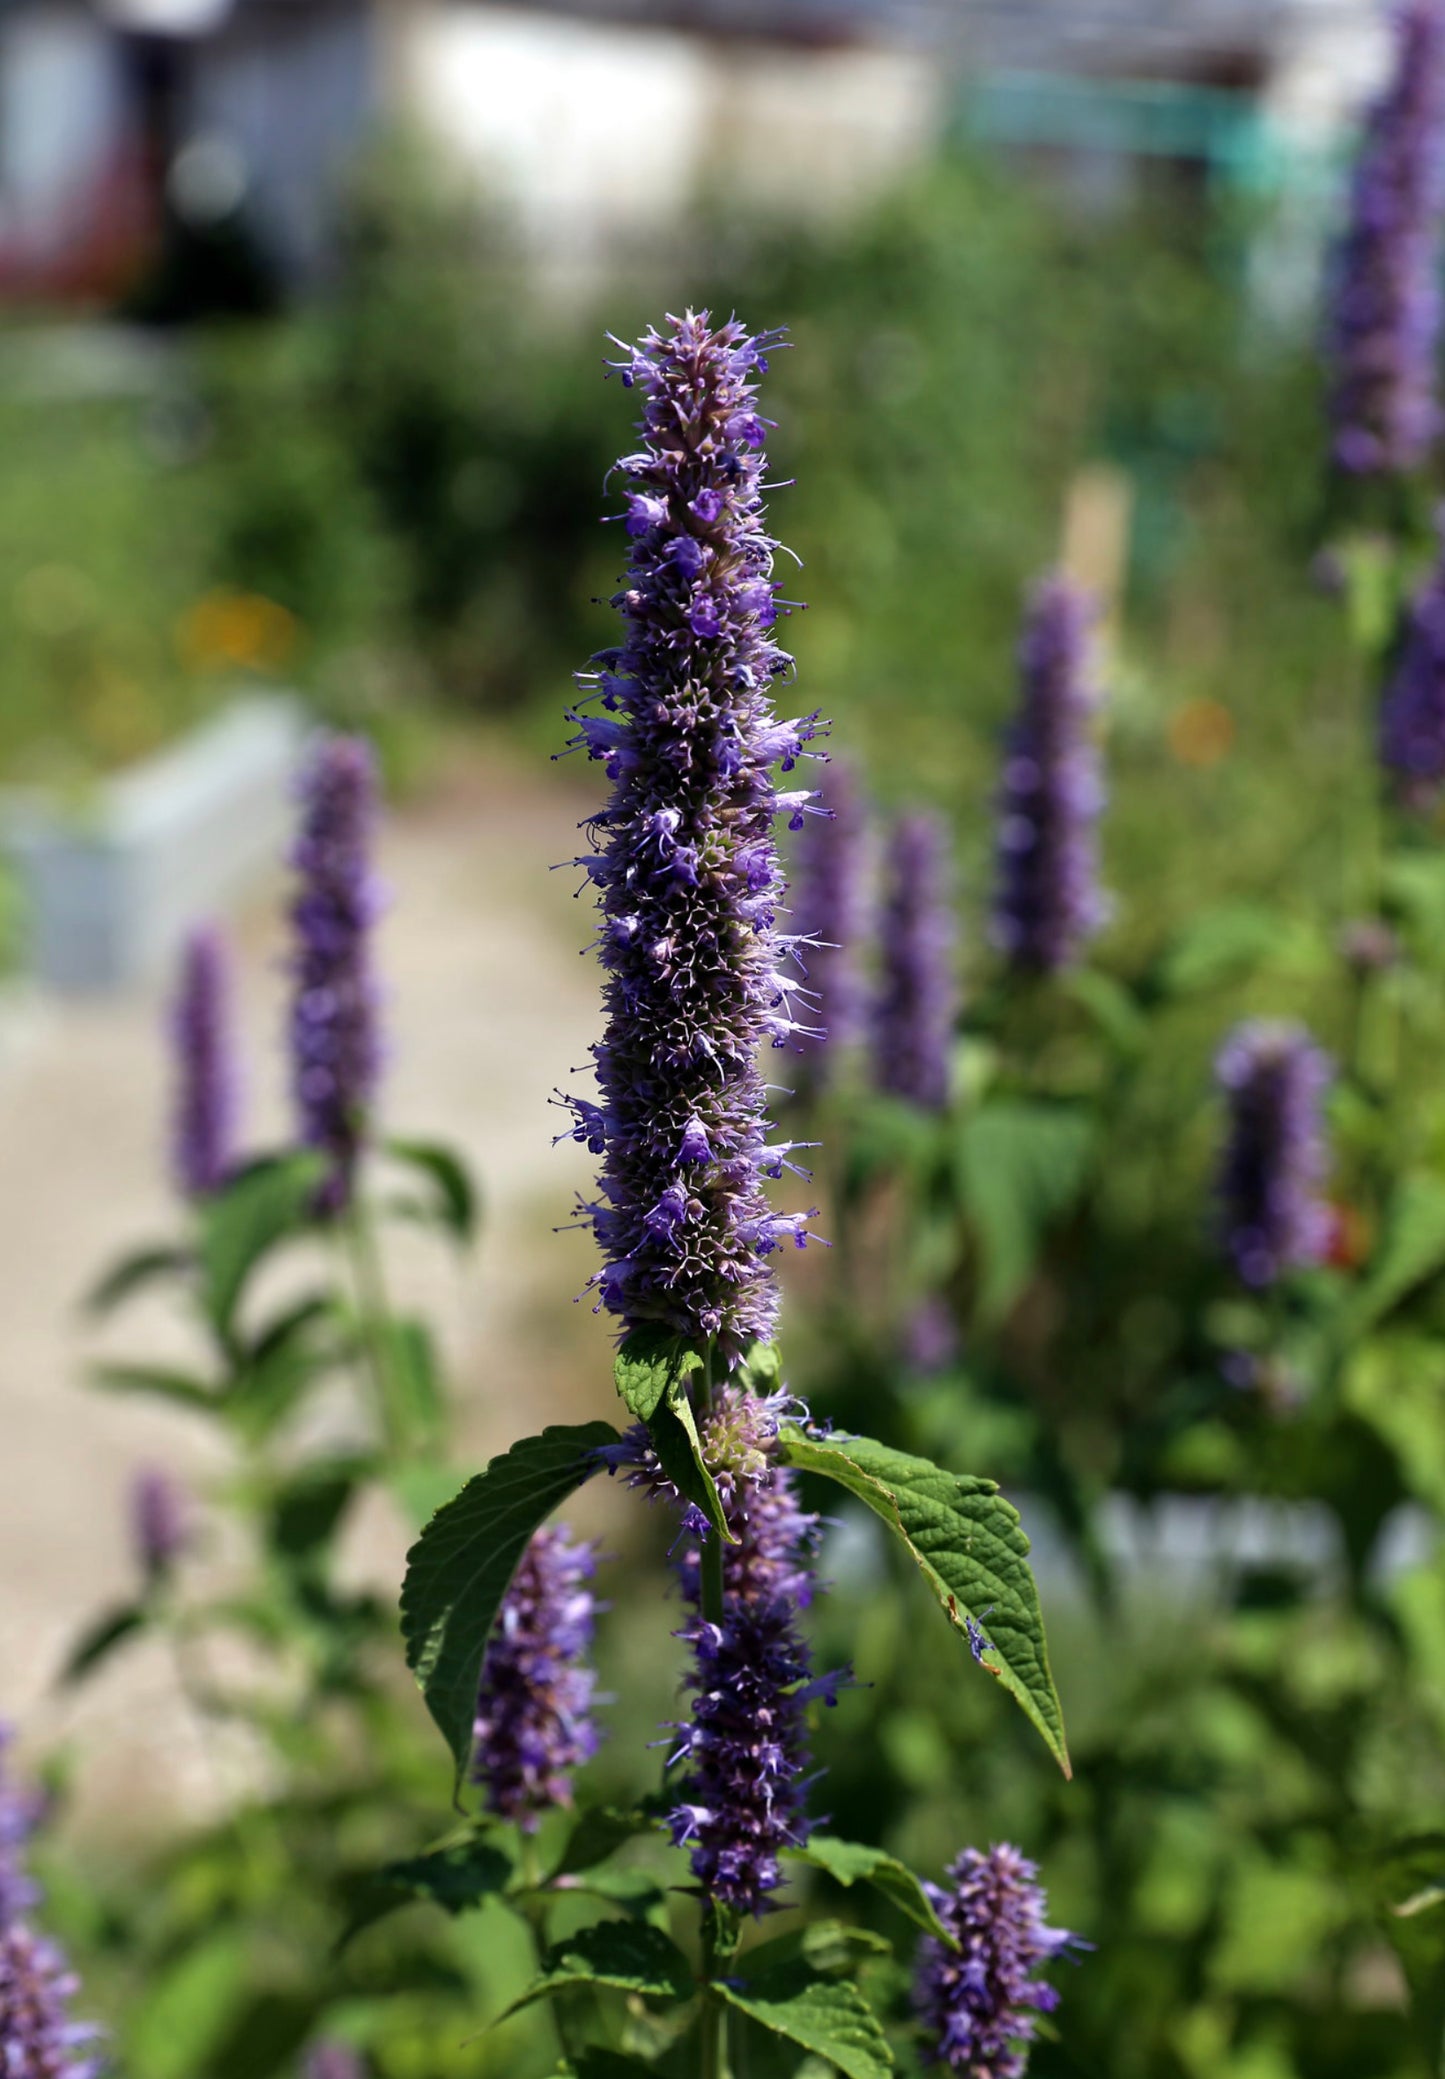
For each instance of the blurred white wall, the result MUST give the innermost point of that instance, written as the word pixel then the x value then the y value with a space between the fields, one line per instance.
pixel 61 110
pixel 598 135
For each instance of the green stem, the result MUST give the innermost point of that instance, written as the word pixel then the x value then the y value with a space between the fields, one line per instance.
pixel 372 1313
pixel 716 1954
pixel 534 1910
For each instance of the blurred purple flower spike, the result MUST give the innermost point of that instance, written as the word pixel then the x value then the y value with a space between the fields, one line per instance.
pixel 1384 328
pixel 203 1137
pixel 1275 1158
pixel 533 1725
pixel 917 1004
pixel 335 1045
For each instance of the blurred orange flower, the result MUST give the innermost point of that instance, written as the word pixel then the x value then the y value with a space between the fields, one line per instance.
pixel 1201 733
pixel 235 628
pixel 1350 1237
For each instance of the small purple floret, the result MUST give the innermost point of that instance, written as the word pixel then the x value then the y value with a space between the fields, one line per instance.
pixel 1047 904
pixel 160 1520
pixel 917 1004
pixel 335 1048
pixel 1275 1159
pixel 533 1725
pixel 203 1133
pixel 686 864
pixel 742 1796
pixel 1412 713
pixel 1385 321
pixel 830 921
pixel 979 2003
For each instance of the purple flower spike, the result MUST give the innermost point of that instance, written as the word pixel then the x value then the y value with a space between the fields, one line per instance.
pixel 913 1018
pixel 1385 322
pixel 19 1811
pixel 160 1520
pixel 1412 713
pixel 742 1796
pixel 978 2003
pixel 830 918
pixel 334 2061
pixel 335 1049
pixel 532 1725
pixel 685 861
pixel 204 1127
pixel 1047 903
pixel 1274 1079
pixel 38 2040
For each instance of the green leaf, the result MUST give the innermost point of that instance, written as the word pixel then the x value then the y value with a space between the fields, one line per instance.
pixel 600 1832
pixel 1225 944
pixel 305 1515
pixel 673 1429
pixel 263 1205
pixel 633 1892
pixel 414 1381
pixel 142 1267
pixel 1114 1009
pixel 295 1323
pixel 969 1546
pixel 459 1570
pixel 761 1370
pixel 651 1364
pixel 455 1197
pixel 1021 1165
pixel 604 2064
pixel 851 1862
pixel 628 1955
pixel 1411 1249
pixel 179 1387
pixel 456 1878
pixel 1410 1890
pixel 783 1990
pixel 100 1641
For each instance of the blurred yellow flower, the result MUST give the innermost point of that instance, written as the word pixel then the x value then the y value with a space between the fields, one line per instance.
pixel 1201 733
pixel 235 628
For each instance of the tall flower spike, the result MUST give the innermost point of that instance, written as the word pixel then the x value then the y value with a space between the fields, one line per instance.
pixel 1274 1079
pixel 1412 713
pixel 203 1138
pixel 686 865
pixel 1047 903
pixel 38 2039
pixel 160 1520
pixel 1385 322
pixel 914 1015
pixel 335 1047
pixel 532 1726
pixel 979 2003
pixel 744 1788
pixel 830 904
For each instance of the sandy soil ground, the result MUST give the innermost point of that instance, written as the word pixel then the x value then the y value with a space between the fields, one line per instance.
pixel 489 1006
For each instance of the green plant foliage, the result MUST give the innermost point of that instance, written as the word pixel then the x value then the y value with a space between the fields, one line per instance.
pixel 967 1543
pixel 622 1955
pixel 458 1572
pixel 792 1988
pixel 851 1862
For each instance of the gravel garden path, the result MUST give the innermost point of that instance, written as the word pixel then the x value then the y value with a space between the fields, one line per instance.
pixel 488 1007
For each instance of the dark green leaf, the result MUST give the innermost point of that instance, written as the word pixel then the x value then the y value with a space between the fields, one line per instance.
pixel 166 1385
pixel 970 1547
pixel 625 1954
pixel 1411 1895
pixel 1411 1249
pixel 633 1892
pixel 651 1364
pixel 459 1570
pixel 142 1267
pixel 851 1862
pixel 455 1198
pixel 414 1385
pixel 1225 944
pixel 305 1515
pixel 456 1878
pixel 263 1205
pixel 297 1321
pixel 600 1832
pixel 1021 1165
pixel 267 1390
pixel 603 2064
pixel 267 2035
pixel 761 1370
pixel 781 1989
pixel 100 1641
pixel 673 1429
